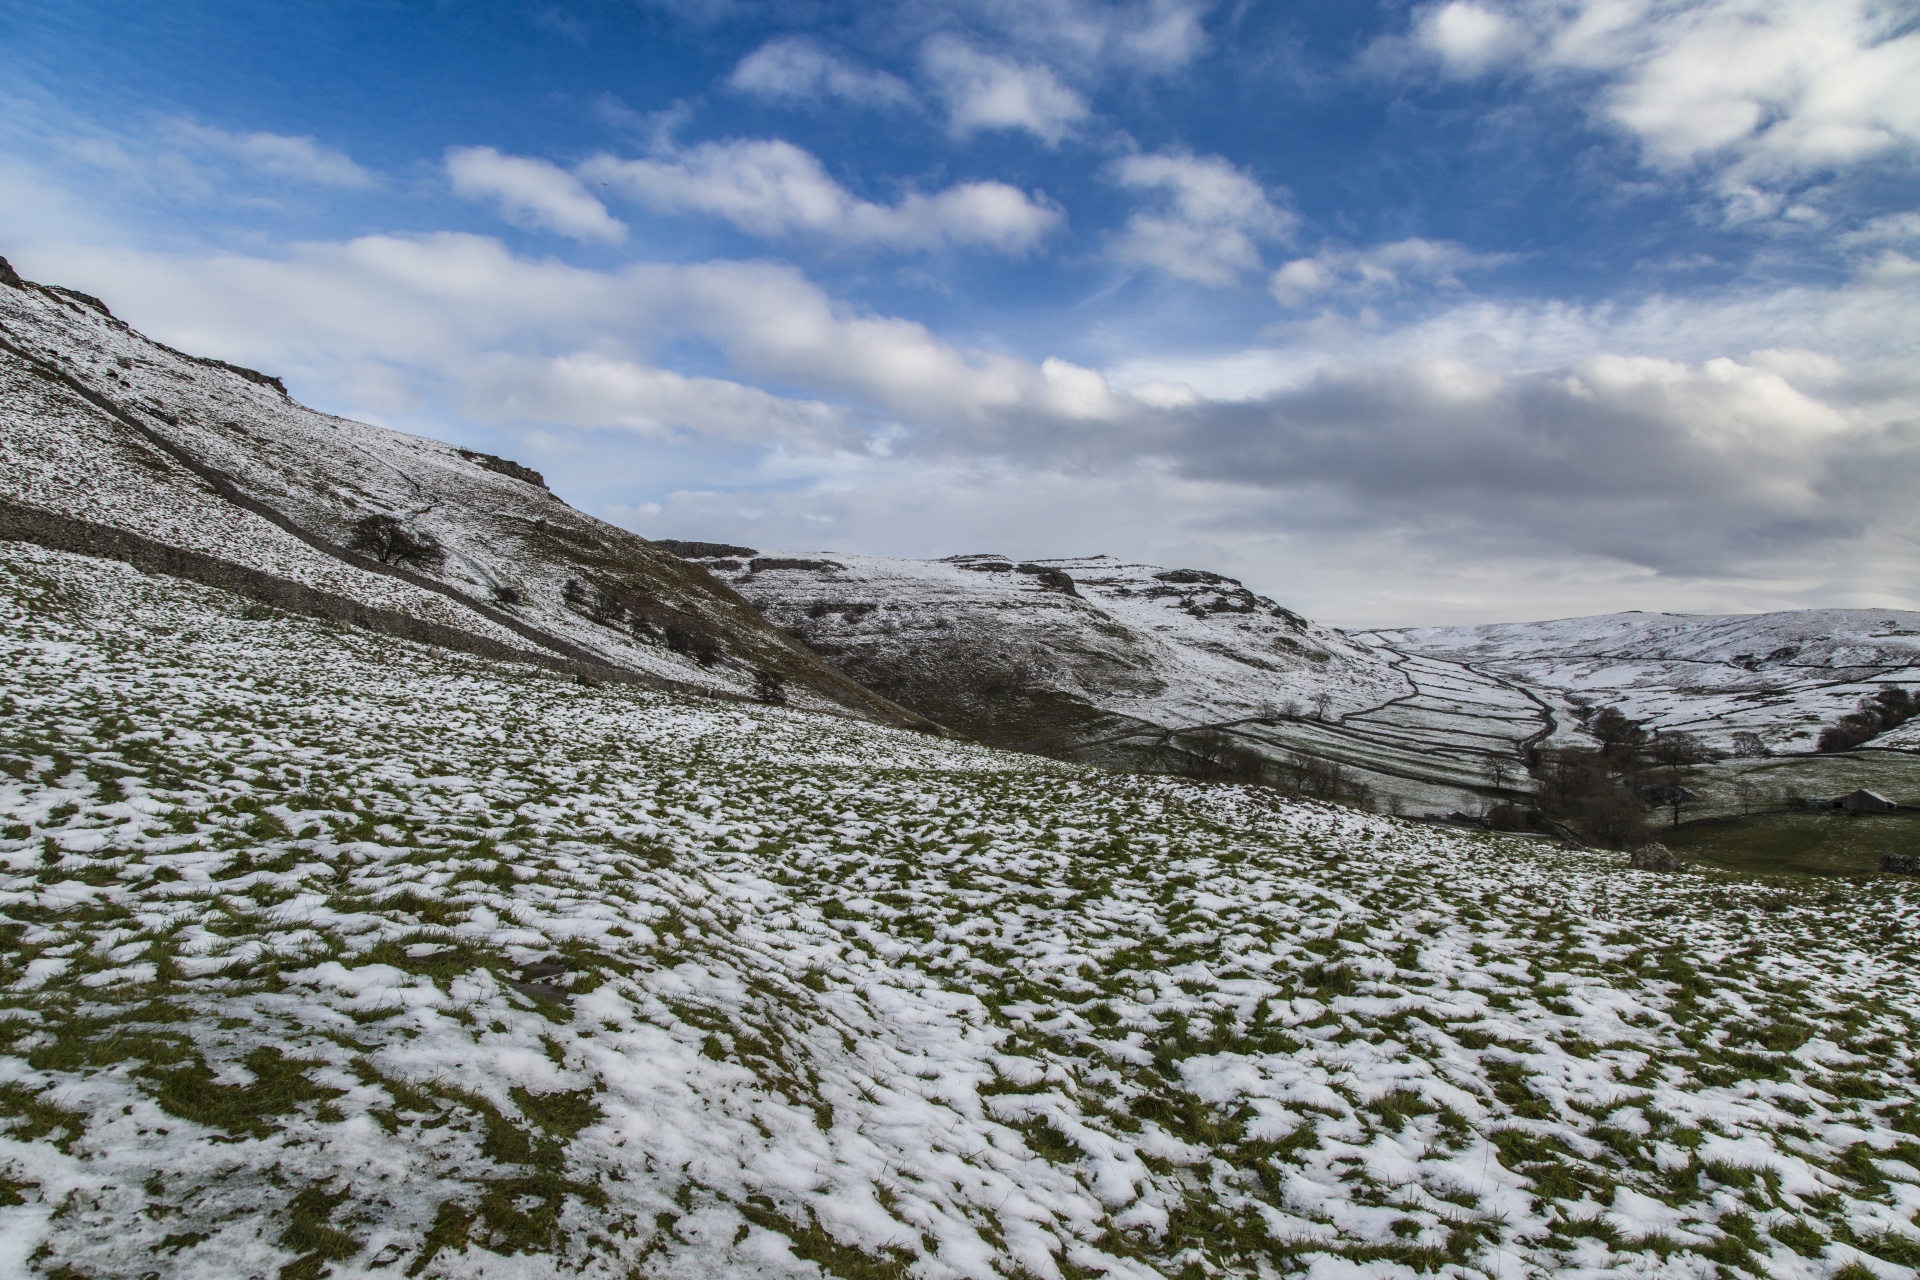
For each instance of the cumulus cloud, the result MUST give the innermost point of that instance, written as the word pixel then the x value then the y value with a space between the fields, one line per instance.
pixel 531 193
pixel 774 189
pixel 1208 221
pixel 451 304
pixel 797 69
pixel 1763 90
pixel 1468 38
pixel 1383 268
pixel 984 92
pixel 1722 467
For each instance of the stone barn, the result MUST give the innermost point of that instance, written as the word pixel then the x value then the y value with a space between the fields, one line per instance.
pixel 1864 801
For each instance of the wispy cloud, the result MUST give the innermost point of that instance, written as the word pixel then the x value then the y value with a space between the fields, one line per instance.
pixel 803 71
pixel 188 158
pixel 531 193
pixel 1151 35
pixel 274 155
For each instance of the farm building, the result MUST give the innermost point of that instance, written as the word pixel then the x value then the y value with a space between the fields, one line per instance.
pixel 1864 801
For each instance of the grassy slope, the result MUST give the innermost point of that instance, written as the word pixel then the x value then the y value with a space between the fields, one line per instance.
pixel 843 999
pixel 1798 843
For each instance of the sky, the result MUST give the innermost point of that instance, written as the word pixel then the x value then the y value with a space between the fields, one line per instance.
pixel 1402 313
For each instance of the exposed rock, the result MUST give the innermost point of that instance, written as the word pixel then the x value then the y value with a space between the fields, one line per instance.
pixel 1906 864
pixel 704 550
pixel 1653 857
pixel 761 564
pixel 505 467
pixel 1052 579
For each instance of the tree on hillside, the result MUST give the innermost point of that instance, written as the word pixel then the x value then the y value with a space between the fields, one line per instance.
pixel 1888 709
pixel 1620 738
pixel 390 542
pixel 1581 787
pixel 1676 757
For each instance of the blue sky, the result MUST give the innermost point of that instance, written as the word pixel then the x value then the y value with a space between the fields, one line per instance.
pixel 1448 311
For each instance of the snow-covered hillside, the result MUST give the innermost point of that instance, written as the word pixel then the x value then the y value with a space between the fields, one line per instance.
pixel 1060 650
pixel 100 424
pixel 1778 676
pixel 1100 660
pixel 331 954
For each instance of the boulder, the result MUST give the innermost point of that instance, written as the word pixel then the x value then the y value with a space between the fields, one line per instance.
pixel 1653 857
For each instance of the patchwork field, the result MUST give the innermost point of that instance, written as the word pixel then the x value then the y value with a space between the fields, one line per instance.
pixel 333 954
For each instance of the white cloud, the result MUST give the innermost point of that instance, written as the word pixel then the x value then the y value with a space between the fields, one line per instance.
pixel 184 158
pixel 1764 91
pixel 531 193
pixel 1467 37
pixel 1383 268
pixel 774 189
pixel 1209 221
pixel 984 92
pixel 797 69
pixel 296 159
pixel 593 390
pixel 1891 228
pixel 1154 35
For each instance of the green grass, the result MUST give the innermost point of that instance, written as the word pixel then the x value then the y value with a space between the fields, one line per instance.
pixel 1823 844
pixel 1894 774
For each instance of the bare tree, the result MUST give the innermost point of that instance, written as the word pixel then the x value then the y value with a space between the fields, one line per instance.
pixel 1677 756
pixel 390 542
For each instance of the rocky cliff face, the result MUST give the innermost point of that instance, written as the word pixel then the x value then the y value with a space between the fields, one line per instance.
pixel 101 425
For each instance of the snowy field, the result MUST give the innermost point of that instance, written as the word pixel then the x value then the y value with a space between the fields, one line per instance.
pixel 329 954
pixel 1779 676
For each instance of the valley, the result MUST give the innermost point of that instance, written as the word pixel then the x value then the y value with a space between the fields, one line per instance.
pixel 1146 667
pixel 403 873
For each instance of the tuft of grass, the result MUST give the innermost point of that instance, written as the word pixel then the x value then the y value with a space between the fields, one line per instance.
pixel 280 1086
pixel 311 1234
pixel 37 1117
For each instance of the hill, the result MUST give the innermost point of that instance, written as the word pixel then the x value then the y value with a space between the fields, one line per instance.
pixel 1776 676
pixel 1058 652
pixel 1186 670
pixel 335 953
pixel 115 444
